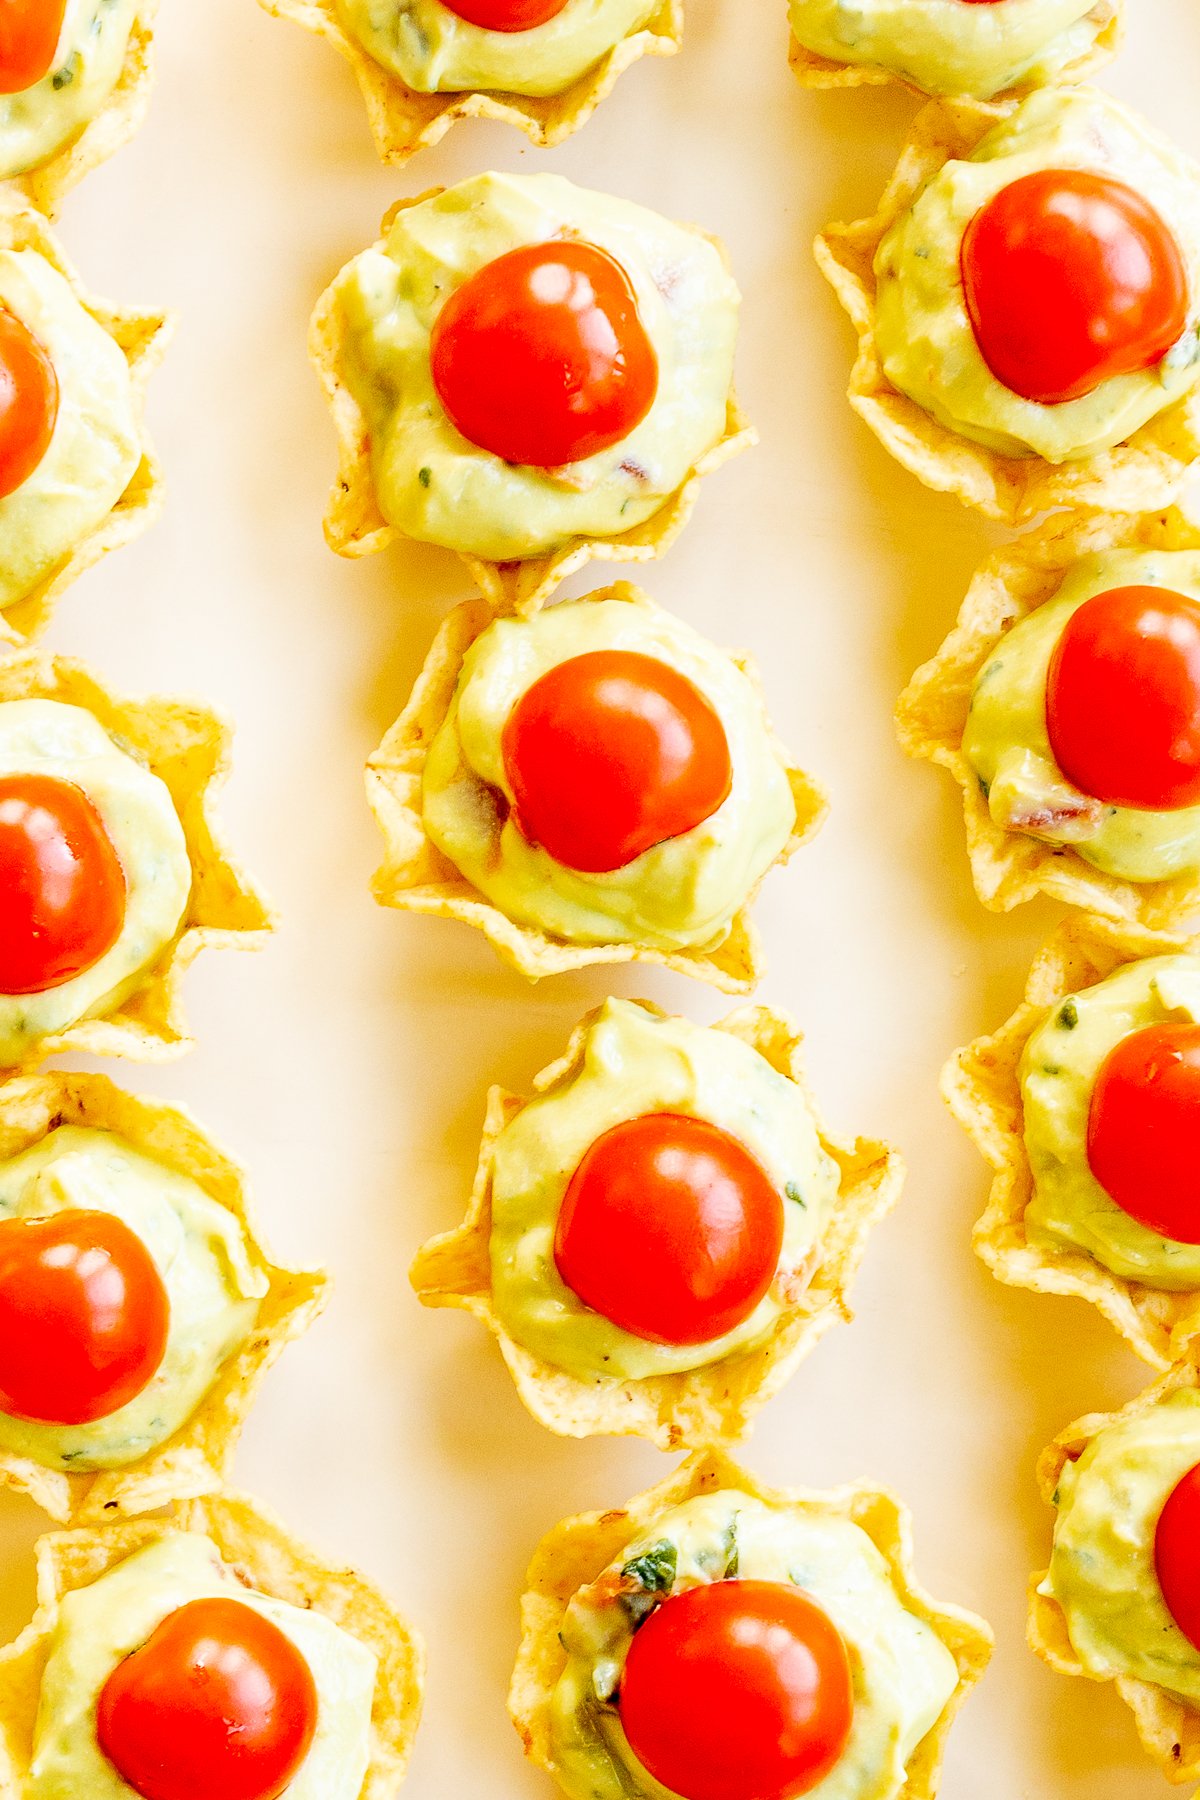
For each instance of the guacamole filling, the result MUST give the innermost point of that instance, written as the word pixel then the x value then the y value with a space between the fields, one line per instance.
pixel 1102 1570
pixel 681 893
pixel 902 1672
pixel 923 330
pixel 1007 743
pixel 138 813
pixel 1069 1208
pixel 99 1626
pixel 430 482
pixel 433 51
pixel 636 1063
pixel 43 119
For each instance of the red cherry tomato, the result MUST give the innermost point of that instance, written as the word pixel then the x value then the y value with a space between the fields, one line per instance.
pixel 62 888
pixel 1123 698
pixel 29 34
pixel 84 1317
pixel 506 15
pixel 670 1228
pixel 610 753
pixel 1177 1555
pixel 1143 1139
pixel 218 1704
pixel 738 1691
pixel 28 402
pixel 1071 278
pixel 541 356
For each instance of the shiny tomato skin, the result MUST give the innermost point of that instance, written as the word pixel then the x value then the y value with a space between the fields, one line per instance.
pixel 506 15
pixel 670 1229
pixel 1143 1140
pixel 62 887
pixel 1123 698
pixel 28 402
pixel 740 1690
pixel 29 34
pixel 84 1317
pixel 610 753
pixel 1177 1554
pixel 1071 278
pixel 541 356
pixel 218 1704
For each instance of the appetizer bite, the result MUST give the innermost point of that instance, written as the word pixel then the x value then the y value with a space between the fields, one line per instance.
pixel 112 875
pixel 717 1639
pixel 530 374
pixel 593 783
pixel 958 48
pixel 665 1230
pixel 1086 1104
pixel 1027 301
pixel 77 477
pixel 139 1309
pixel 211 1653
pixel 1121 1599
pixel 1066 704
pixel 541 65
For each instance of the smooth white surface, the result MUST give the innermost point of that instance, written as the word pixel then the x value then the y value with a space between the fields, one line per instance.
pixel 347 1064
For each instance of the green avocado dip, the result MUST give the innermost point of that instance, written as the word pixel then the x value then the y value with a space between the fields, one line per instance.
pixel 39 121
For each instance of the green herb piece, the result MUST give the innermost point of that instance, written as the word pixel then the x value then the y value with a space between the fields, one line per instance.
pixel 654 1571
pixel 425 476
pixel 793 1193
pixel 1068 1015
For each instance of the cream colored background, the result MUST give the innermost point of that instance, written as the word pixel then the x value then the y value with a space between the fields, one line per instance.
pixel 347 1064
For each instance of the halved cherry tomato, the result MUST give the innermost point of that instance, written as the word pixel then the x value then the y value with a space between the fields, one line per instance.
pixel 1177 1555
pixel 541 356
pixel 506 15
pixel 610 753
pixel 1123 698
pixel 218 1704
pixel 84 1317
pixel 1143 1139
pixel 740 1690
pixel 62 888
pixel 1071 278
pixel 29 34
pixel 670 1228
pixel 28 402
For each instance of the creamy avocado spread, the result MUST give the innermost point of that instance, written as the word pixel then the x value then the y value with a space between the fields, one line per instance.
pixel 43 119
pixel 433 51
pixel 1007 744
pixel 1102 1567
pixel 1069 1208
pixel 924 333
pixel 681 893
pixel 903 1673
pixel 49 737
pixel 950 46
pixel 430 482
pixel 200 1252
pixel 634 1063
pixel 100 1625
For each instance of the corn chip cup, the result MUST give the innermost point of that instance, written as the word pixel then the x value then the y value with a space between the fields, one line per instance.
pixel 187 746
pixel 195 1460
pixel 1142 474
pixel 1010 867
pixel 142 338
pixel 704 1405
pixel 403 121
pixel 577 1551
pixel 267 1558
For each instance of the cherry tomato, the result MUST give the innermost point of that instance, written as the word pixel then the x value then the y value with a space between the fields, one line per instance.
pixel 670 1228
pixel 218 1704
pixel 1123 698
pixel 84 1317
pixel 62 888
pixel 1071 278
pixel 740 1690
pixel 29 34
pixel 541 356
pixel 28 402
pixel 506 15
pixel 610 753
pixel 1177 1555
pixel 1143 1140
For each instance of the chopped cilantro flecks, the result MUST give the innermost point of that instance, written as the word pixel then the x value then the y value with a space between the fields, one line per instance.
pixel 1068 1015
pixel 654 1570
pixel 425 476
pixel 793 1193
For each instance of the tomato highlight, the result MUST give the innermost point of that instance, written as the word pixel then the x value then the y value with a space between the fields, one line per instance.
pixel 1177 1555
pixel 1143 1136
pixel 28 402
pixel 506 15
pixel 62 887
pixel 29 34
